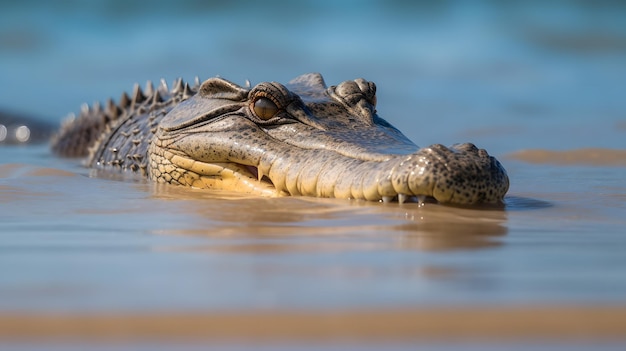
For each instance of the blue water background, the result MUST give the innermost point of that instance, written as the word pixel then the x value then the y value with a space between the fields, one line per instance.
pixel 492 72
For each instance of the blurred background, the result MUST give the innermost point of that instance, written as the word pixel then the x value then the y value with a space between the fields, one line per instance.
pixel 482 71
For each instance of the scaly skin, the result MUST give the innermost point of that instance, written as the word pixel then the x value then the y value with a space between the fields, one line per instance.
pixel 302 138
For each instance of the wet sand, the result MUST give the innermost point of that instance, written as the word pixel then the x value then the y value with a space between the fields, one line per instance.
pixel 562 323
pixel 585 156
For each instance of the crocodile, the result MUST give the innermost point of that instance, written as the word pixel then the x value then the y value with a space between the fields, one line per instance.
pixel 272 139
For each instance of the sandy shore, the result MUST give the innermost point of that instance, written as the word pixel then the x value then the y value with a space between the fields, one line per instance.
pixel 584 156
pixel 437 324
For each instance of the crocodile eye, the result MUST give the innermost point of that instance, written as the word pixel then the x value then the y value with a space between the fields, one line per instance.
pixel 264 108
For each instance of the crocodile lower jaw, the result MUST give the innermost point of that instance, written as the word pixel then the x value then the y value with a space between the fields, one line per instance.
pixel 179 170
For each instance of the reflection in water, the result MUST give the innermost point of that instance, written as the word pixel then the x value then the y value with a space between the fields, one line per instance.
pixel 441 235
pixel 292 224
pixel 518 203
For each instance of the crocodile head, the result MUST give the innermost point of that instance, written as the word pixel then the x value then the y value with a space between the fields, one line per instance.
pixel 304 138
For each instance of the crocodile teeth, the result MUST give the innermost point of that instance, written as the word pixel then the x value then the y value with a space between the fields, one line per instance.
pixel 84 109
pixel 259 174
pixel 387 199
pixel 421 199
pixel 196 81
pixel 247 85
pixel 402 198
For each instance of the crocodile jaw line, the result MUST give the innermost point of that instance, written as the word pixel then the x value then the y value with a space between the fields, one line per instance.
pixel 170 168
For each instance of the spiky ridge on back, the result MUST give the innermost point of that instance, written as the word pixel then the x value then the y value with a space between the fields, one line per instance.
pixel 119 135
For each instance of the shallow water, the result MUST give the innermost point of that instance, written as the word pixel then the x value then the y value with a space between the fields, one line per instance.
pixel 539 86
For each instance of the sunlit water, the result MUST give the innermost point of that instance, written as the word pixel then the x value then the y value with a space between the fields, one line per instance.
pixel 507 78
